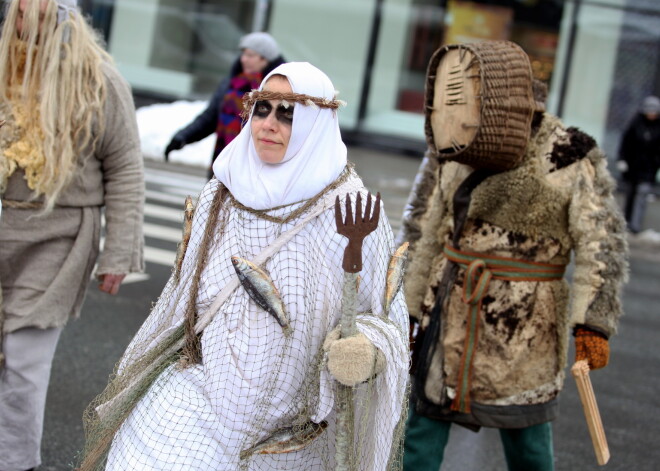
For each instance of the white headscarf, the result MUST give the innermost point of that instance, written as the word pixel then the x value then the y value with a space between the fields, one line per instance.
pixel 315 157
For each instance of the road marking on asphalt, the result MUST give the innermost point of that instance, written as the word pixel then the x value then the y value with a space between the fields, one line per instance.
pixel 161 212
pixel 178 198
pixel 156 231
pixel 159 256
pixel 194 184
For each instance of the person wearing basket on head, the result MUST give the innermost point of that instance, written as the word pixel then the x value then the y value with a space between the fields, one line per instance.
pixel 504 196
pixel 69 149
pixel 239 361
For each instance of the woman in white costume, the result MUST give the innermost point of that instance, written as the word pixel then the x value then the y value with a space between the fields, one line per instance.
pixel 247 380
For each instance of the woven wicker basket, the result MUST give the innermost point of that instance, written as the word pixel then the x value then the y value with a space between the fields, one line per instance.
pixel 506 106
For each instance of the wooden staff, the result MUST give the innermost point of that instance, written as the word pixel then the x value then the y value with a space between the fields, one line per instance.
pixel 580 371
pixel 355 228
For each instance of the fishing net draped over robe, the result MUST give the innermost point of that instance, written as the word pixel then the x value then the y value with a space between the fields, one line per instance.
pixel 253 380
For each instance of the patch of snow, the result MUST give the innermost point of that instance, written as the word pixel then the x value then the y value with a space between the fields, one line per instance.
pixel 648 236
pixel 158 123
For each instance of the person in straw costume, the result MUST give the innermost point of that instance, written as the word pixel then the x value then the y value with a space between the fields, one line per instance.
pixel 505 195
pixel 68 148
pixel 215 378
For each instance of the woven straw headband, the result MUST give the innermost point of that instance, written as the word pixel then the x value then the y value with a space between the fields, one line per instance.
pixel 249 99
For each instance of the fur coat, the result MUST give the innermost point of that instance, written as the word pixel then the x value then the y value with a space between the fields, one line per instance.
pixel 556 205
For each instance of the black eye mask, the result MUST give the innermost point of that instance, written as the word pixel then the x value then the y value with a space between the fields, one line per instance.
pixel 263 108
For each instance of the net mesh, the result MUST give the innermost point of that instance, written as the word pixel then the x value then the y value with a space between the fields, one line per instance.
pixel 257 399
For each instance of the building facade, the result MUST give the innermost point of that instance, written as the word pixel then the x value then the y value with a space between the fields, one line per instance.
pixel 598 57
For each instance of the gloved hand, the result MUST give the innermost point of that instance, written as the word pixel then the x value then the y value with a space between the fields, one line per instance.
pixel 175 144
pixel 352 360
pixel 591 346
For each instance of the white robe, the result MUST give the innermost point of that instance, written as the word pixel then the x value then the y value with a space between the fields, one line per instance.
pixel 253 379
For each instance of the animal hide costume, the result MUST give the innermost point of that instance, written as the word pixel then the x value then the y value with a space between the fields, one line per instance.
pixel 493 308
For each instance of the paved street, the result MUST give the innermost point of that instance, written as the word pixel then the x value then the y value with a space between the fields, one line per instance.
pixel 627 390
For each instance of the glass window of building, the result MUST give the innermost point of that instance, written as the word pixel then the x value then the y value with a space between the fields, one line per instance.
pixel 411 30
pixel 599 58
pixel 174 47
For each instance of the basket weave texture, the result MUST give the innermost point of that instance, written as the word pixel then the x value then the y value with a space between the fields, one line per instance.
pixel 507 106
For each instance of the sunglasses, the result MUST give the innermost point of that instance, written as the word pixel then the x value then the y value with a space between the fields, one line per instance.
pixel 263 109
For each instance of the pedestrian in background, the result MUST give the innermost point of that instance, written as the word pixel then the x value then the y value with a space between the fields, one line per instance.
pixel 639 160
pixel 260 54
pixel 68 148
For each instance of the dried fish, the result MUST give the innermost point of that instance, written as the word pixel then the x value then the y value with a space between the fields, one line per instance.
pixel 262 290
pixel 188 213
pixel 395 272
pixel 287 440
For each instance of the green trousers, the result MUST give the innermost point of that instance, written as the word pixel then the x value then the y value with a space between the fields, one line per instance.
pixel 526 449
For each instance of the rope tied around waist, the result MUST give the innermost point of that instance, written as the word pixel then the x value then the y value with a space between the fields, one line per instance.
pixel 480 269
pixel 13 204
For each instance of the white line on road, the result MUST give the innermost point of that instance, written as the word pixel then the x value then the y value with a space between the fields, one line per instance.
pixel 168 198
pixel 194 184
pixel 159 256
pixel 162 212
pixel 162 232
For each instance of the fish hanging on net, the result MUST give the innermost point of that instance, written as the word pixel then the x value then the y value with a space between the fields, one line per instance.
pixel 287 439
pixel 189 212
pixel 262 291
pixel 395 272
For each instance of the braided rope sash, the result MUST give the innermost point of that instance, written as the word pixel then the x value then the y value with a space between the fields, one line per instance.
pixel 13 204
pixel 479 270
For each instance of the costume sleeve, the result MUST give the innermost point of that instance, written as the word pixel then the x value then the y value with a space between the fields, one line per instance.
pixel 426 212
pixel 598 232
pixel 123 181
pixel 206 122
pixel 417 203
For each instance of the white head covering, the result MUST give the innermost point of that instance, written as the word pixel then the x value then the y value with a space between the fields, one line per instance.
pixel 315 157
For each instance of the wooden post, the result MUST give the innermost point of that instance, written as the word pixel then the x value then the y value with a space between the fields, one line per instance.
pixel 580 371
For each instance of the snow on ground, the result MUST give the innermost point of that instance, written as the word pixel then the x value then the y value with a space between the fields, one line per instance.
pixel 648 236
pixel 158 123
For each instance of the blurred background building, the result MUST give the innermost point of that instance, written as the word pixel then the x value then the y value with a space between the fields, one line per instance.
pixel 598 57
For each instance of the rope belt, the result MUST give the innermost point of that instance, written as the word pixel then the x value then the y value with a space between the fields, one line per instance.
pixel 22 204
pixel 479 270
